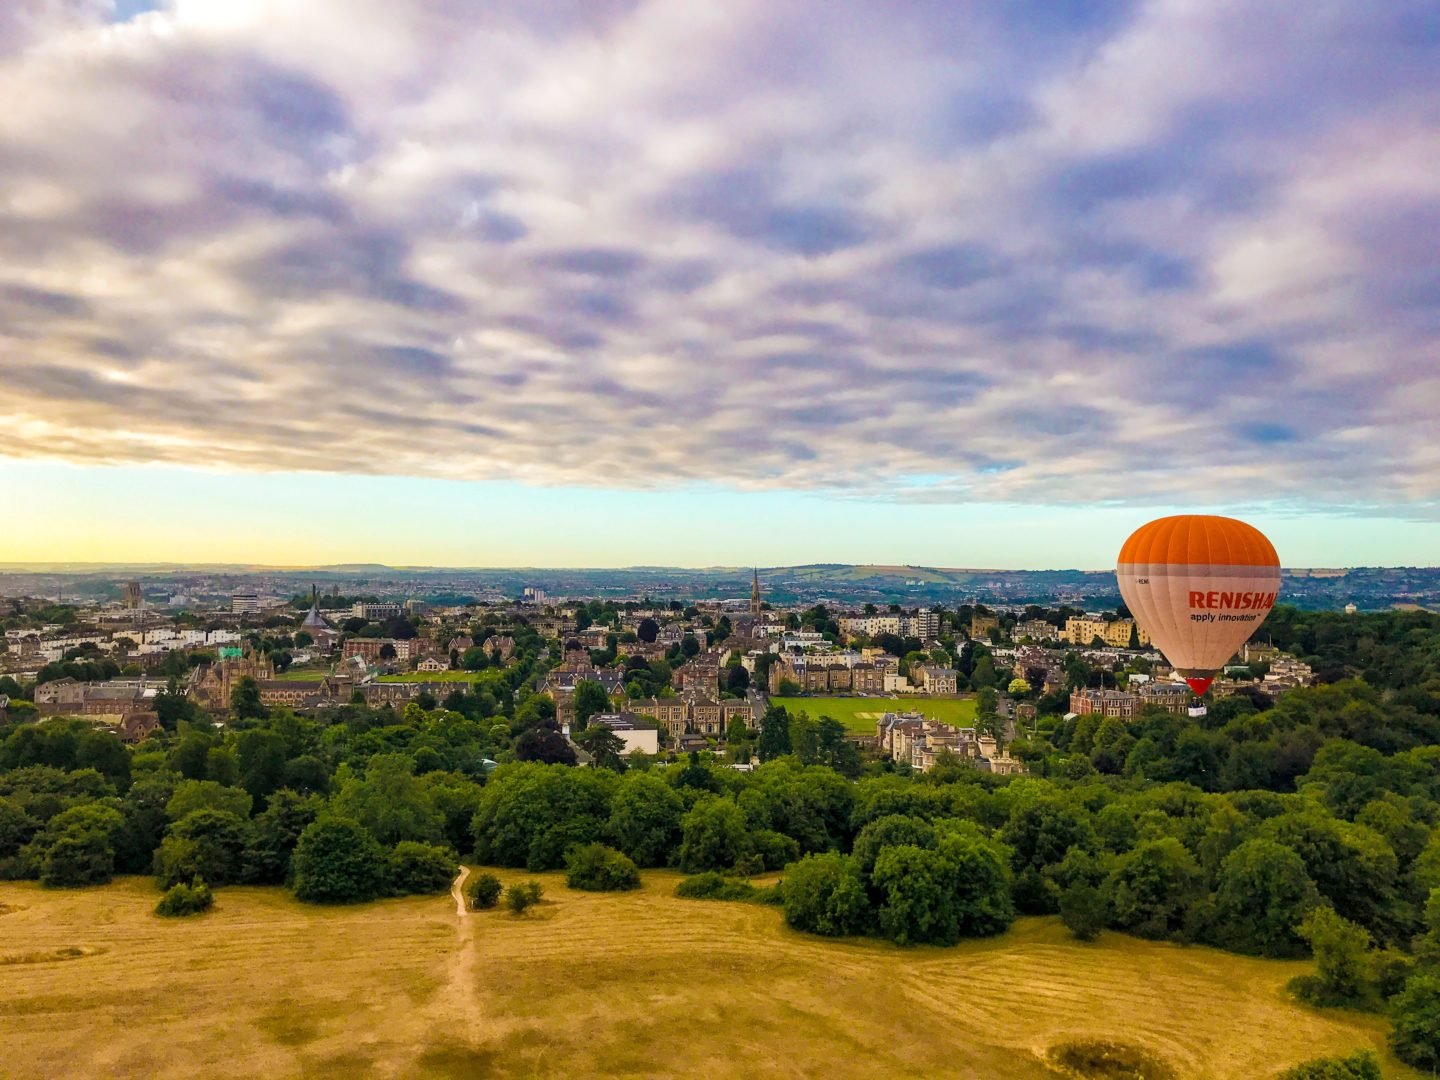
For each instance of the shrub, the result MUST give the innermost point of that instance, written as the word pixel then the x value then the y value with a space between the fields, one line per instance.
pixel 600 869
pixel 522 896
pixel 484 890
pixel 185 899
pixel 1362 1065
pixel 421 868
pixel 337 862
pixel 713 885
pixel 823 894
pixel 1110 1061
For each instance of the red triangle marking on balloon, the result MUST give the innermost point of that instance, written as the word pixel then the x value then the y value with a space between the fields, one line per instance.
pixel 1200 685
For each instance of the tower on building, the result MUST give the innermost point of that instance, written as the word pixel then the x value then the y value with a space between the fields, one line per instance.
pixel 755 593
pixel 132 597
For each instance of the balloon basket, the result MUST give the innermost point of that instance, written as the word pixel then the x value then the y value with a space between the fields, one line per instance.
pixel 1198 711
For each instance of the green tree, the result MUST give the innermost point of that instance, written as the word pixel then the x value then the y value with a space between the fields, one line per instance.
pixel 1153 887
pixel 277 829
pixel 1039 836
pixel 713 836
pixel 190 754
pixel 77 847
pixel 1415 1013
pixel 1263 895
pixel 16 828
pixel 245 700
pixel 192 795
pixel 604 746
pixel 337 861
pixel 390 802
pixel 260 755
pixel 530 814
pixel 590 698
pixel 209 844
pixel 1342 960
pixel 1083 910
pixel 774 733
pixel 917 906
pixel 892 830
pixel 645 816
pixel 648 630
pixel 823 894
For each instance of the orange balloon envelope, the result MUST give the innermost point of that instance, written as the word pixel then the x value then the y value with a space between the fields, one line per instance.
pixel 1199 585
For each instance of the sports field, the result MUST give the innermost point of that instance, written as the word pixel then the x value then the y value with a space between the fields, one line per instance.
pixel 637 984
pixel 860 713
pixel 433 676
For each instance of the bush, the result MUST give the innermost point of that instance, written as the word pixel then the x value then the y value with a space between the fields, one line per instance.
pixel 598 868
pixel 484 890
pixel 1362 1065
pixel 823 894
pixel 713 885
pixel 186 900
pixel 417 868
pixel 337 862
pixel 1110 1061
pixel 522 896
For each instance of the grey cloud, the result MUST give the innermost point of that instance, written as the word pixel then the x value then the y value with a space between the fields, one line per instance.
pixel 918 253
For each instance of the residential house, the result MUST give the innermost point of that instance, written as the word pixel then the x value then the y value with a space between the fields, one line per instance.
pixel 934 679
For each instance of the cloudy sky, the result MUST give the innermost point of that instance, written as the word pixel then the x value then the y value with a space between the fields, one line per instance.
pixel 606 282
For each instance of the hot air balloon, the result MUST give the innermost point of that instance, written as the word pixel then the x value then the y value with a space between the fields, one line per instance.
pixel 1199 585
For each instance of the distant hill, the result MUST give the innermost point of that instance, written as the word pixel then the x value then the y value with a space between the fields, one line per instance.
pixel 1369 588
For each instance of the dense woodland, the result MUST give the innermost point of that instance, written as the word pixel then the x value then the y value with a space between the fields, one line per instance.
pixel 1306 826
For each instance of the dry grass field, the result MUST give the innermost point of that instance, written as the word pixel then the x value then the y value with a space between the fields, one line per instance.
pixel 641 984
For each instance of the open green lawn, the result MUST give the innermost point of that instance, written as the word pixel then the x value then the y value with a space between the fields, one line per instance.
pixel 93 984
pixel 860 713
pixel 432 676
pixel 311 673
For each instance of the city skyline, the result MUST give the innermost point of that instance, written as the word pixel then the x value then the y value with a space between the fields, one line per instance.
pixel 625 283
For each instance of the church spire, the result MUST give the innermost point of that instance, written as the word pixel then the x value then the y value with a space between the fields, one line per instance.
pixel 755 593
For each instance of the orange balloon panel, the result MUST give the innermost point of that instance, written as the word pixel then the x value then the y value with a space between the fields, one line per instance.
pixel 1199 585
